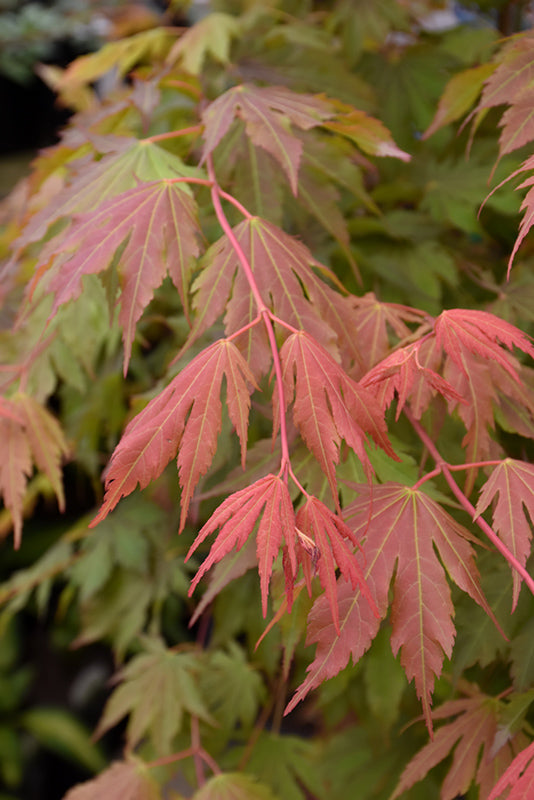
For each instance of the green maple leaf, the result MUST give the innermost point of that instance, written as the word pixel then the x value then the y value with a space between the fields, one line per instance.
pixel 157 688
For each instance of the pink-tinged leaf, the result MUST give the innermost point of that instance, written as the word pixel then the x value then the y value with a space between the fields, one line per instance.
pixel 402 532
pixel 268 113
pixel 46 440
pixel 514 73
pixel 402 372
pixel 460 330
pixel 373 319
pixel 121 781
pixel 519 778
pixel 335 544
pixel 471 735
pixel 234 786
pixel 153 226
pixel 511 488
pixel 29 435
pixel 15 469
pixel 282 268
pixel 237 517
pixel 367 132
pixel 184 418
pixel 459 95
pixel 329 406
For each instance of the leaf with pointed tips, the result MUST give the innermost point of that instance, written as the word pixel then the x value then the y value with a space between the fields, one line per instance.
pixel 460 329
pixel 511 486
pixel 30 435
pixel 282 268
pixel 154 229
pixel 268 113
pixel 184 418
pixel 459 95
pixel 402 529
pixel 157 687
pixel 519 777
pixel 328 406
pixel 472 736
pixel 128 780
pixel 333 540
pixel 367 132
pixel 237 517
pixel 213 34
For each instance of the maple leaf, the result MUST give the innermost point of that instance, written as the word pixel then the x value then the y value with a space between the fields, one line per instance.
pixel 511 485
pixel 128 780
pixel 157 687
pixel 124 163
pixel 461 330
pixel 367 132
pixel 329 406
pixel 152 227
pixel 519 777
pixel 331 534
pixel 237 517
pixel 373 319
pixel 404 373
pixel 402 531
pixel 29 434
pixel 282 268
pixel 234 786
pixel 268 112
pixel 459 95
pixel 213 34
pixel 185 418
pixel 474 730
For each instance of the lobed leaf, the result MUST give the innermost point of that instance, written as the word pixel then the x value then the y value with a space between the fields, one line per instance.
pixel 268 499
pixel 185 418
pixel 152 228
pixel 511 488
pixel 328 405
pixel 403 528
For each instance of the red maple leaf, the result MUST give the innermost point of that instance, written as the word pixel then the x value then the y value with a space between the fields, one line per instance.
pixel 282 268
pixel 237 517
pixel 29 435
pixel 153 228
pixel 267 113
pixel 472 735
pixel 128 780
pixel 329 406
pixel 402 534
pixel 519 777
pixel 511 488
pixel 185 418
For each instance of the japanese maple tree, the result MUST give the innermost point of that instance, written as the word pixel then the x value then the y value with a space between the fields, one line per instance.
pixel 259 257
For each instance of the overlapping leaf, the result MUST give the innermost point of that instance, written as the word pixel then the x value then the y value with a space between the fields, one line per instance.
pixel 328 405
pixel 268 113
pixel 266 500
pixel 185 418
pixel 519 777
pixel 153 228
pixel 282 268
pixel 29 435
pixel 157 688
pixel 124 163
pixel 511 488
pixel 403 528
pixel 234 786
pixel 472 735
pixel 123 780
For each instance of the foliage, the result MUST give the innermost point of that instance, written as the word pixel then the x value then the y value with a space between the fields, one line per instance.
pixel 269 256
